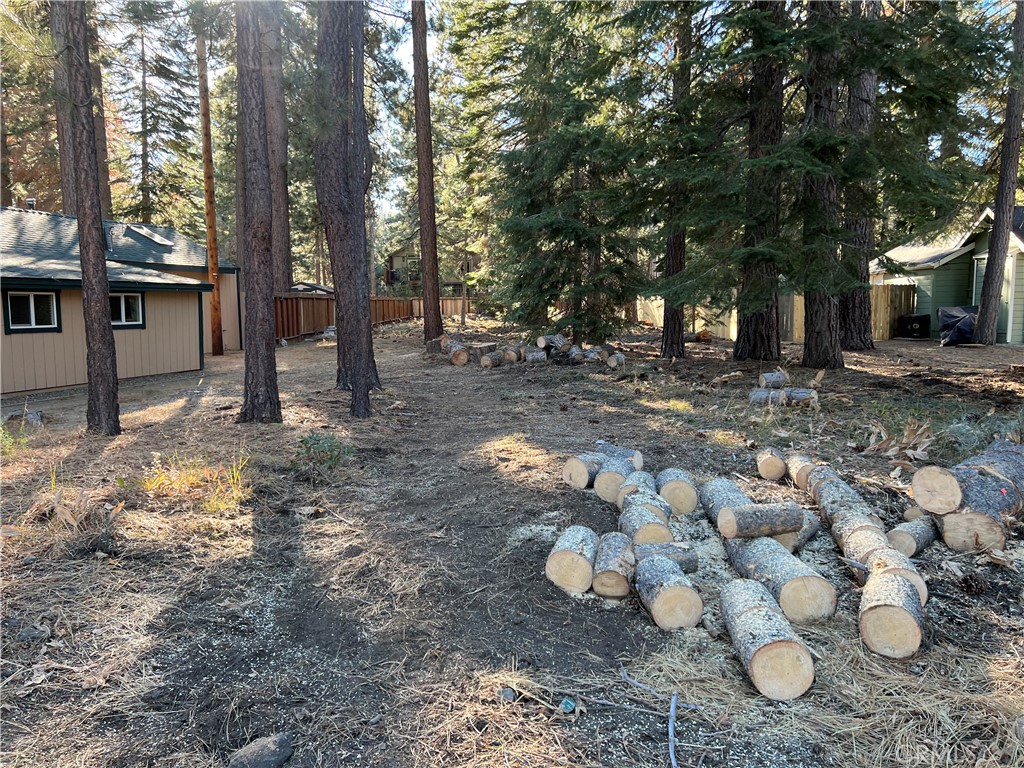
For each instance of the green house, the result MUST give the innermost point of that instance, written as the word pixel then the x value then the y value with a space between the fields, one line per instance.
pixel 950 273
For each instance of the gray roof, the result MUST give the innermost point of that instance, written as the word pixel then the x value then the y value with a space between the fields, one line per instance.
pixel 38 245
pixel 915 257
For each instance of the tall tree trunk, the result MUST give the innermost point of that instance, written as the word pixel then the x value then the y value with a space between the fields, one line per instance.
pixel 757 333
pixel 855 304
pixel 6 190
pixel 99 115
pixel 212 254
pixel 432 323
pixel 261 399
pixel 674 324
pixel 102 412
pixel 239 181
pixel 1009 164
pixel 277 139
pixel 65 115
pixel 819 191
pixel 342 166
pixel 145 172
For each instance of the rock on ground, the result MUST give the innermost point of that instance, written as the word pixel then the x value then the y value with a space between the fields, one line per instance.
pixel 268 752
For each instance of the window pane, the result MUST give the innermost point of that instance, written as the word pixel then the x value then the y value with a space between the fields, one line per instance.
pixel 45 314
pixel 115 309
pixel 133 309
pixel 21 309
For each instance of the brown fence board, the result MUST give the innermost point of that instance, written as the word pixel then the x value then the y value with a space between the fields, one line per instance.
pixel 889 302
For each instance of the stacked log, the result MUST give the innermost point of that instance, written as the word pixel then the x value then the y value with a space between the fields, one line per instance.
pixel 613 473
pixel 570 566
pixel 604 351
pixel 478 350
pixel 554 343
pixel 643 526
pixel 636 481
pixel 535 356
pixel 777 661
pixel 973 501
pixel 667 593
pixel 771 464
pixel 773 379
pixel 581 471
pixel 720 493
pixel 679 489
pixel 895 562
pixel 803 594
pixel 681 553
pixel 795 540
pixel 613 565
pixel 651 502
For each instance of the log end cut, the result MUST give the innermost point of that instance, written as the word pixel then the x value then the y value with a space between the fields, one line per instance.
pixel 891 616
pixel 936 490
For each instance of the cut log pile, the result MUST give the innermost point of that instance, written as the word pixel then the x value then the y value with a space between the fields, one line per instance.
pixel 554 348
pixel 773 391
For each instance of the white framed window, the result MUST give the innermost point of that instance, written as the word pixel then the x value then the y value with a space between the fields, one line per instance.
pixel 126 310
pixel 32 311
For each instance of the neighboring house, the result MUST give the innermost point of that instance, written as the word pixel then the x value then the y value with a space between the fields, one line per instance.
pixel 159 303
pixel 951 271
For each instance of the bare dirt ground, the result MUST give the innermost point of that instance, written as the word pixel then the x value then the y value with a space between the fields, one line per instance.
pixel 392 610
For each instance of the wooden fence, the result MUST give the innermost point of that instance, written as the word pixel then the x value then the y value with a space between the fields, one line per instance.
pixel 887 303
pixel 300 314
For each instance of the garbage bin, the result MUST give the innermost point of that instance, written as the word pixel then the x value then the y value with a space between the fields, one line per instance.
pixel 914 326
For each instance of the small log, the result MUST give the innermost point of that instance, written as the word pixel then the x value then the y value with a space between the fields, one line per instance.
pixel 492 360
pixel 667 593
pixel 721 492
pixel 576 354
pixel 773 379
pixel 533 356
pixel 509 354
pixel 971 531
pixel 910 538
pixel 863 542
pixel 635 481
pixel 612 474
pixel 604 351
pixel 632 454
pixel 650 501
pixel 616 362
pixel 678 551
pixel 751 521
pixel 592 355
pixel 803 594
pixel 771 464
pixel 457 353
pixel 768 397
pixel 802 398
pixel 580 471
pixel 570 565
pixel 799 465
pixel 776 660
pixel 614 565
pixel 796 540
pixel 913 512
pixel 678 487
pixel 477 351
pixel 890 616
pixel 818 476
pixel 643 526
pixel 893 561
pixel 847 522
pixel 553 342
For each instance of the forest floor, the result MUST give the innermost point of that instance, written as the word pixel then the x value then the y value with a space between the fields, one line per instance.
pixel 376 587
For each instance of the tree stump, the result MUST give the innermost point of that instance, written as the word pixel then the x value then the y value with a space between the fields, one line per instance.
pixel 771 464
pixel 613 565
pixel 776 660
pixel 891 617
pixel 667 593
pixel 679 489
pixel 570 566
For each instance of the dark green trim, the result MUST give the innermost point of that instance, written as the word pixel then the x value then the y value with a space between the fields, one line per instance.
pixel 142 309
pixel 157 267
pixel 116 286
pixel 7 313
pixel 202 336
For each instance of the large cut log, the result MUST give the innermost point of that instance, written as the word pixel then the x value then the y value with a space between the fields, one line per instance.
pixel 773 379
pixel 771 464
pixel 893 561
pixel 751 521
pixel 973 531
pixel 554 343
pixel 678 487
pixel 632 454
pixel 535 356
pixel 635 481
pixel 987 502
pixel 847 522
pixel 678 551
pixel 891 617
pixel 768 397
pixel 719 493
pixel 614 565
pixel 643 526
pixel 910 538
pixel 818 476
pixel 616 362
pixel 492 360
pixel 649 501
pixel 802 398
pixel 795 540
pixel 580 471
pixel 667 594
pixel 803 594
pixel 612 474
pixel 941 491
pixel 778 663
pixel 863 542
pixel 570 565
pixel 799 465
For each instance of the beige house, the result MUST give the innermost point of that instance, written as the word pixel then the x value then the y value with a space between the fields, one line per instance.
pixel 159 302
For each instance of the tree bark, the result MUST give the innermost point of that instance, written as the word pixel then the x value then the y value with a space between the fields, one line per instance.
pixel 239 182
pixel 64 114
pixel 261 399
pixel 343 166
pixel 432 323
pixel 277 140
pixel 819 191
pixel 757 333
pixel 674 321
pixel 212 255
pixel 667 593
pixel 102 411
pixel 1009 161
pixel 613 565
pixel 855 304
pixel 99 116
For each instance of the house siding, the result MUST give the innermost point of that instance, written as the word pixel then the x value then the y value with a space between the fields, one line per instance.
pixel 229 314
pixel 168 344
pixel 979 280
pixel 1018 302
